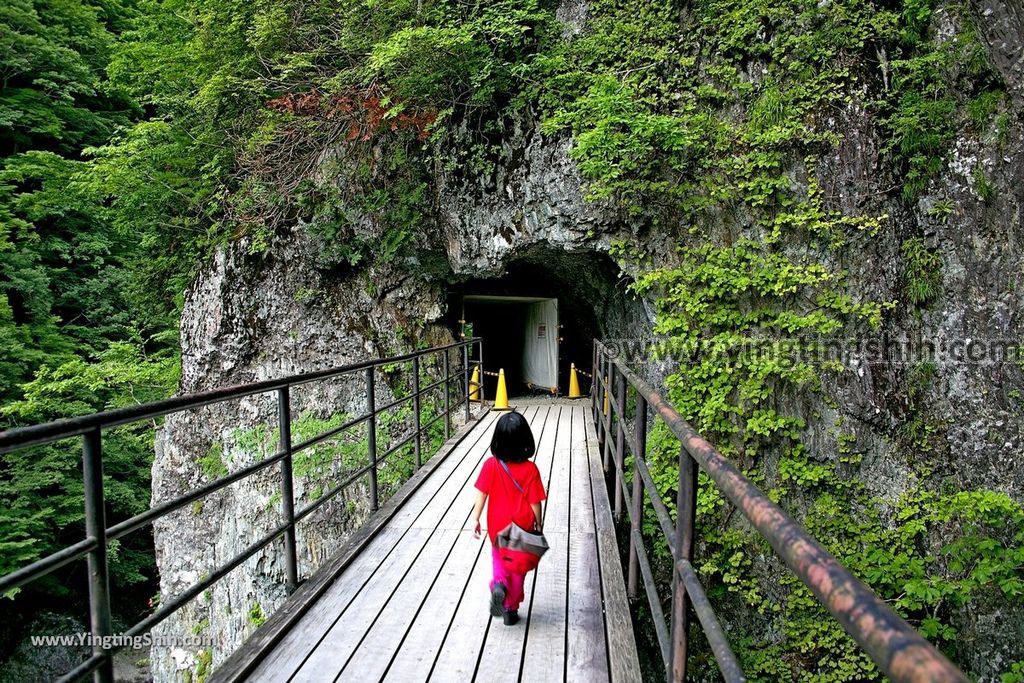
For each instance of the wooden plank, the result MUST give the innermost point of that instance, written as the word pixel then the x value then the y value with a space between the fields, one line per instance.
pixel 293 647
pixel 503 647
pixel 441 512
pixel 462 647
pixel 345 634
pixel 586 646
pixel 418 649
pixel 406 600
pixel 374 651
pixel 329 651
pixel 544 658
pixel 245 659
pixel 373 654
pixel 622 657
pixel 582 516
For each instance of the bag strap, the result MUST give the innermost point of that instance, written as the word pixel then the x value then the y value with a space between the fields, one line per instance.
pixel 504 466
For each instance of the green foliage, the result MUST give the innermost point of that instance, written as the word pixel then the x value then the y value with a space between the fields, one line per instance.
pixel 60 269
pixel 711 122
pixel 201 626
pixel 393 199
pixel 212 463
pixel 203 665
pixel 644 98
pixel 744 323
pixel 345 453
pixel 160 198
pixel 918 380
pixel 51 93
pixel 42 492
pixel 255 111
pixel 928 81
pixel 941 209
pixel 922 123
pixel 888 544
pixel 922 274
pixel 256 616
pixel 982 185
pixel 1015 674
pixel 739 320
pixel 76 332
pixel 664 117
pixel 121 375
pixel 305 295
pixel 325 464
pixel 982 108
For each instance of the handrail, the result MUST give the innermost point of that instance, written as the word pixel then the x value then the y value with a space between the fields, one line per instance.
pixel 98 536
pixel 893 644
pixel 75 426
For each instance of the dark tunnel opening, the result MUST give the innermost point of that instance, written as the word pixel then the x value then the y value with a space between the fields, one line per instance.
pixel 549 303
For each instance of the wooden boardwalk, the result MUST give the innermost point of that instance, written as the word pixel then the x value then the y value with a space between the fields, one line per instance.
pixel 412 604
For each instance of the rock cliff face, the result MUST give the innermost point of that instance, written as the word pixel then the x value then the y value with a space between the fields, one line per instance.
pixel 1002 25
pixel 250 318
pixel 972 217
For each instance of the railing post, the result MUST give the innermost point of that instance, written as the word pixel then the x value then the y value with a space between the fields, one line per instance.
pixel 620 444
pixel 686 511
pixel 465 371
pixel 599 387
pixel 640 434
pixel 371 435
pixel 416 409
pixel 606 444
pixel 284 424
pixel 480 364
pixel 96 527
pixel 447 397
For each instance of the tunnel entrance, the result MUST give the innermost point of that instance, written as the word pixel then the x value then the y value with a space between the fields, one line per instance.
pixel 542 314
pixel 520 336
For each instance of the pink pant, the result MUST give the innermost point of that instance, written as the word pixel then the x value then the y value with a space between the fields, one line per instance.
pixel 513 582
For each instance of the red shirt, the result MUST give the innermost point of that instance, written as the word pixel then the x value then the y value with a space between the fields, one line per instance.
pixel 505 503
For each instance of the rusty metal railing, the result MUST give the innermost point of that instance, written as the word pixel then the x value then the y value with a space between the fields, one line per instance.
pixel 898 650
pixel 98 536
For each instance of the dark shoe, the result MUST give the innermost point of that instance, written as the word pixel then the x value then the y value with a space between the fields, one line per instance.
pixel 497 599
pixel 511 617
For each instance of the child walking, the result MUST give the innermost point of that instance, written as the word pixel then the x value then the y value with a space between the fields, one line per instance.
pixel 512 447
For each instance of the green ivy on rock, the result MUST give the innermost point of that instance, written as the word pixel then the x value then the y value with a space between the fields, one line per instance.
pixel 709 122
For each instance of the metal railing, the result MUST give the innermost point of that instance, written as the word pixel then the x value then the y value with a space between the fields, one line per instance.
pixel 98 536
pixel 898 650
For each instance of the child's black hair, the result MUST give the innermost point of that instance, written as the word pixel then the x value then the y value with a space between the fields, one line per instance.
pixel 512 440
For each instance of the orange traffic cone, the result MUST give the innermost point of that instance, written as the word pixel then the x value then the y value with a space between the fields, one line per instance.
pixel 574 383
pixel 474 385
pixel 501 395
